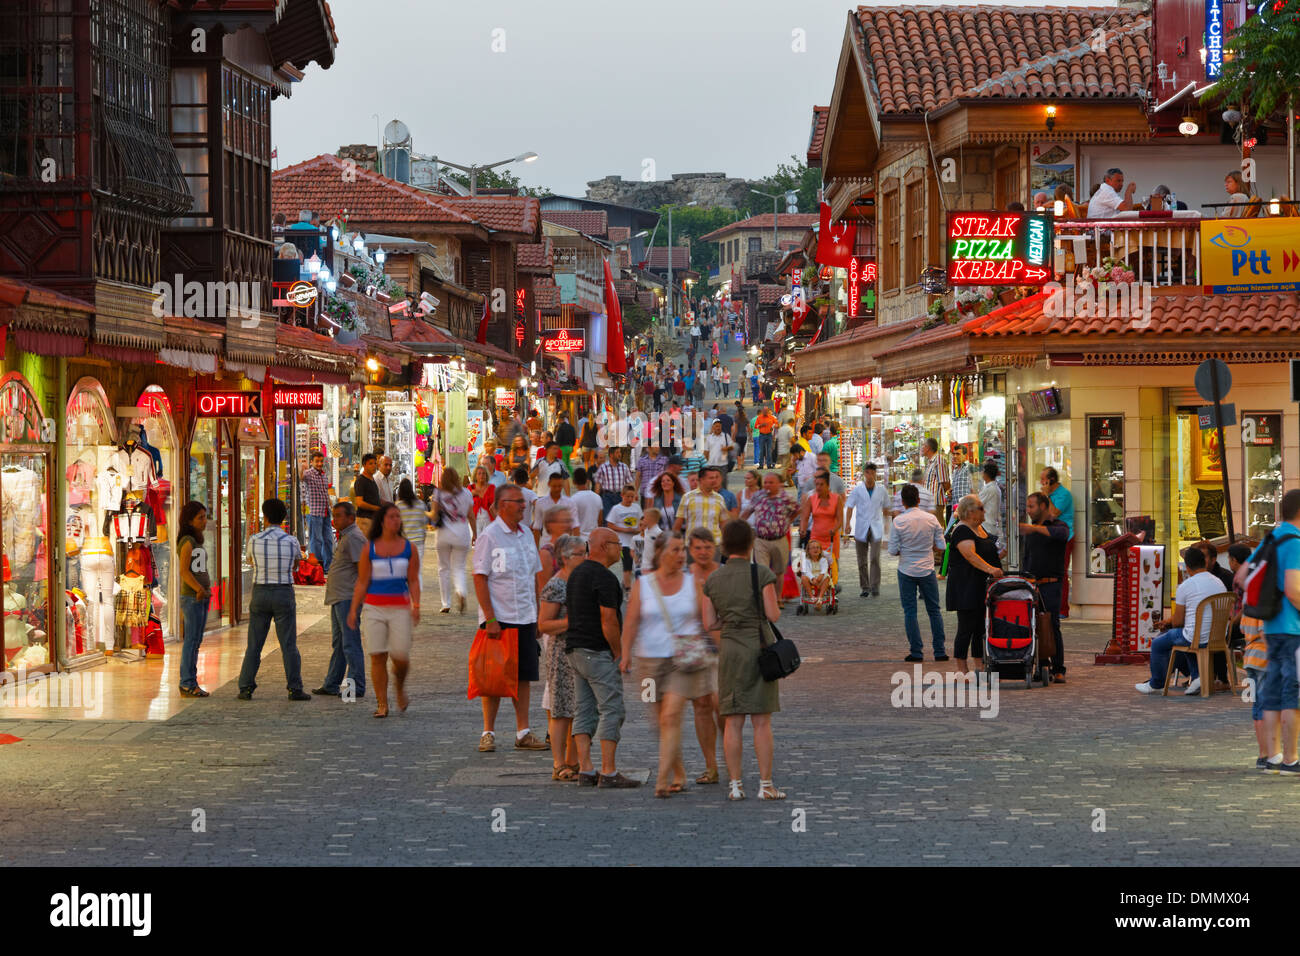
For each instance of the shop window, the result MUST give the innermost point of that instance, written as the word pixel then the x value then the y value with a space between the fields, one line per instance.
pixel 1105 505
pixel 1261 440
pixel 1196 485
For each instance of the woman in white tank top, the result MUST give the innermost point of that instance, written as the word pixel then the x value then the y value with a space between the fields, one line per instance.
pixel 663 606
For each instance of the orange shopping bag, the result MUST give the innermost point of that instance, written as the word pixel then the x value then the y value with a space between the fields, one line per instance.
pixel 494 664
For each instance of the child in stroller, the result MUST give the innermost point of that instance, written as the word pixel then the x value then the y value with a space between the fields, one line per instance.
pixel 815 586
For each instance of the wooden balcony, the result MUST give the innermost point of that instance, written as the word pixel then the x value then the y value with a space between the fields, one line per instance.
pixel 1162 252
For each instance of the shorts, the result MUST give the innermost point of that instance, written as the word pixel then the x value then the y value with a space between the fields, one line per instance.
pixel 670 680
pixel 1280 690
pixel 627 558
pixel 387 629
pixel 1256 676
pixel 530 651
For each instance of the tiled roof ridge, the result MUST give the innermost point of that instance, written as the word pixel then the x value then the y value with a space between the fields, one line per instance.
pixel 1081 49
pixel 411 192
pixel 974 7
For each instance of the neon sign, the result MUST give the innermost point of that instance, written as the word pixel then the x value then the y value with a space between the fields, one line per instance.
pixel 1214 39
pixel 999 248
pixel 300 396
pixel 230 405
pixel 564 341
pixel 861 272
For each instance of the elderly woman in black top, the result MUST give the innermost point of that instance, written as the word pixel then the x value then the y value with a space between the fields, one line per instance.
pixel 972 561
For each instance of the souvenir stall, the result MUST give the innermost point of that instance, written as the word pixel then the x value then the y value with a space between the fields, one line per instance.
pixel 27 456
pixel 390 421
pixel 440 423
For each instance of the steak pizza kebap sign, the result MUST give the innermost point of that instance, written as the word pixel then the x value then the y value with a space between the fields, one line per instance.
pixel 999 248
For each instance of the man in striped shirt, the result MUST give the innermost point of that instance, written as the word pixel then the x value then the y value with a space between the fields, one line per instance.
pixel 937 478
pixel 611 477
pixel 274 554
pixel 648 470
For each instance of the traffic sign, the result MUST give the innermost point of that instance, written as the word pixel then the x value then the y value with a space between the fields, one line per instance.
pixel 1205 384
pixel 1227 415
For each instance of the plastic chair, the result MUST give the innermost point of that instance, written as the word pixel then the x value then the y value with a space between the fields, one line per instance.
pixel 1220 606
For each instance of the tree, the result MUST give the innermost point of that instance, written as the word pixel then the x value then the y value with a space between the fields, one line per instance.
pixel 1263 74
pixel 793 175
pixel 636 319
pixel 691 222
pixel 492 179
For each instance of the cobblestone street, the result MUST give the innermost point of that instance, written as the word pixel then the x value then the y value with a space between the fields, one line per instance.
pixel 322 782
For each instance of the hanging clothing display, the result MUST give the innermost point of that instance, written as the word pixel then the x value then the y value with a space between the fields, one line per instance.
pixel 21 508
pixel 98 569
pixel 131 610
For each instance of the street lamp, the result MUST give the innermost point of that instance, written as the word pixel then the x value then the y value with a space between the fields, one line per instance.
pixel 380 256
pixel 671 298
pixel 474 170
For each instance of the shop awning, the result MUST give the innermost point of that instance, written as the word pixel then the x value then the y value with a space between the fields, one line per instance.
pixel 49 343
pixel 44 322
pixel 287 375
pixel 850 354
pixel 303 348
pixel 942 350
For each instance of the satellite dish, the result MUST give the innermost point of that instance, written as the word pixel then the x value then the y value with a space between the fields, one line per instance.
pixel 397 133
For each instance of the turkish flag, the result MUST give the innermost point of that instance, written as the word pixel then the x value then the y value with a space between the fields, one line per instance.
pixel 615 357
pixel 799 312
pixel 835 240
pixel 482 324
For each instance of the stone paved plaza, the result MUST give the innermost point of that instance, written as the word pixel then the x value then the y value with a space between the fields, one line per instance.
pixel 322 782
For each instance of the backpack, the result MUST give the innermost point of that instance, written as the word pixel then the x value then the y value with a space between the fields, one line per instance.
pixel 1263 598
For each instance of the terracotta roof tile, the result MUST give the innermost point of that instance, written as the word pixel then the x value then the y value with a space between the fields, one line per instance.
pixel 546 295
pixel 770 293
pixel 15 292
pixel 534 255
pixel 1186 314
pixel 320 185
pixel 818 135
pixel 657 258
pixel 503 213
pixel 591 222
pixel 923 57
pixel 785 220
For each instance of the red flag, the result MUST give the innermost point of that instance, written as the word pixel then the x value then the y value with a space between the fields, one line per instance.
pixel 482 324
pixel 616 358
pixel 835 240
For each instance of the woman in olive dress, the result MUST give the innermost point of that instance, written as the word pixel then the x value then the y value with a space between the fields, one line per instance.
pixel 730 604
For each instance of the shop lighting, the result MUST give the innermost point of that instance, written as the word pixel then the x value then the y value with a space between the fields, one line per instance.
pixel 334 233
pixel 313 265
pixel 380 256
pixel 1274 207
pixel 1058 207
pixel 1188 127
pixel 331 286
pixel 523 382
pixel 324 274
pixel 1050 116
pixel 372 364
pixel 491 369
pixel 358 242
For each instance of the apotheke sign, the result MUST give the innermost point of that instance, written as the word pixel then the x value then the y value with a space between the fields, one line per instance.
pixel 564 341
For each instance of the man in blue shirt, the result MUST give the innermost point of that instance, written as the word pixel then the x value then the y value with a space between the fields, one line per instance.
pixel 1279 695
pixel 1049 482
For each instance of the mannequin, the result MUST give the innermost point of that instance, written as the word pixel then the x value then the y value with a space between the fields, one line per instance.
pixel 97 572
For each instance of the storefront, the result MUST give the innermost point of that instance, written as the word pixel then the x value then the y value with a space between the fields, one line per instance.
pixel 441 421
pixel 312 418
pixel 27 475
pixel 228 459
pixel 389 415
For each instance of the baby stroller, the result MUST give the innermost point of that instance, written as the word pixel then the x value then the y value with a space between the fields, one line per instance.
pixel 1011 637
pixel 827 602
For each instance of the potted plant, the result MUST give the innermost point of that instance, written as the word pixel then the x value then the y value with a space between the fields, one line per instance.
pixel 343 314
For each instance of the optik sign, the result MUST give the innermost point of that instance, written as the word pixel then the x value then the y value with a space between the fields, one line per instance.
pixel 1252 255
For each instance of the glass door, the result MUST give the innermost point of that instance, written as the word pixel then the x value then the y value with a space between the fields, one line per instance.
pixel 1261 440
pixel 209 485
pixel 252 462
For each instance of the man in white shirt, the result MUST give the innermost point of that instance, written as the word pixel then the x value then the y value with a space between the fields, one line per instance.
pixel 802 466
pixel 868 501
pixel 915 538
pixel 1107 201
pixel 1196 587
pixel 991 498
pixel 383 479
pixel 749 369
pixel 547 466
pixel 784 439
pixel 506 567
pixel 554 498
pixel 586 503
pixel 924 494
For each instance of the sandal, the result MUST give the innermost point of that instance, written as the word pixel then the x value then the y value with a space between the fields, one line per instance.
pixel 563 773
pixel 766 791
pixel 737 791
pixel 677 788
pixel 709 776
pixel 380 713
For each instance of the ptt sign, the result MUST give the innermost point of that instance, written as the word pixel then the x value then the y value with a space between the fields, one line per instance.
pixel 1250 256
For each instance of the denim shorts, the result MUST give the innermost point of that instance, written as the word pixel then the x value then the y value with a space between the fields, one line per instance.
pixel 1280 688
pixel 1256 676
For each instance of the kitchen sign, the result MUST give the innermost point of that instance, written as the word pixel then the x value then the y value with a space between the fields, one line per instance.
pixel 1214 39
pixel 999 248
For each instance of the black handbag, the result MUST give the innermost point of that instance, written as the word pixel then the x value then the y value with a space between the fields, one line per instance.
pixel 781 657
